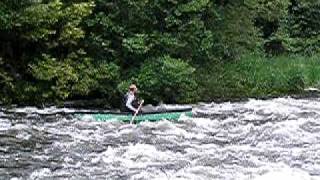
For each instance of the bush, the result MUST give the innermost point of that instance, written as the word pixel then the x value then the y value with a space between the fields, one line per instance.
pixel 60 80
pixel 168 79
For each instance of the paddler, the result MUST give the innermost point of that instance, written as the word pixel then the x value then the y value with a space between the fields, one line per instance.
pixel 130 102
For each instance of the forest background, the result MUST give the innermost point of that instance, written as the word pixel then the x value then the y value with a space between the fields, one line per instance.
pixel 176 51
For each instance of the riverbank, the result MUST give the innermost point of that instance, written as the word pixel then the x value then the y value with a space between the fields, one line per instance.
pixel 101 105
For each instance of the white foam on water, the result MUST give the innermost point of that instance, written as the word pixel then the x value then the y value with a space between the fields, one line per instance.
pixel 46 110
pixel 286 173
pixel 138 156
pixel 5 124
pixel 40 174
pixel 23 135
pixel 15 178
pixel 20 127
pixel 256 140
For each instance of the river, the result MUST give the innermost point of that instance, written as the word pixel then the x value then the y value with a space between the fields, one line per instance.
pixel 256 139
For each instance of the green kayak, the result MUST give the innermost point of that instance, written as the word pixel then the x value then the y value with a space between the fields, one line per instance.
pixel 172 115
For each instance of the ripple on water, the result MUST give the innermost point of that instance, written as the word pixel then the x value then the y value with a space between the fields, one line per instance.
pixel 5 124
pixel 257 139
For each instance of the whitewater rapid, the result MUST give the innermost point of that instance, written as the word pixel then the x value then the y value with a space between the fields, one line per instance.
pixel 257 139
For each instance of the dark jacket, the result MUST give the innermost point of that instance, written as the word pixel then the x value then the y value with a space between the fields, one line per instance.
pixel 124 108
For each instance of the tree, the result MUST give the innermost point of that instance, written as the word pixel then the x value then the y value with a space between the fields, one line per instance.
pixel 42 52
pixel 300 32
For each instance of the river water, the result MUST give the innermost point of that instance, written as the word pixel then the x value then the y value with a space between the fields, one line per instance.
pixel 257 139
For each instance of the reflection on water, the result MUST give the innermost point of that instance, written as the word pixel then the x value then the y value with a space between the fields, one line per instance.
pixel 270 139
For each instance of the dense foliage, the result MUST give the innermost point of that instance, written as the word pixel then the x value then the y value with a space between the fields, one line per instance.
pixel 57 50
pixel 261 77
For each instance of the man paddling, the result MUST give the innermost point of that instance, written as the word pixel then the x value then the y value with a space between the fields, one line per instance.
pixel 130 102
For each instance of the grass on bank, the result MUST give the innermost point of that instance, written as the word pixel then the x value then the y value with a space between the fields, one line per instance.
pixel 254 76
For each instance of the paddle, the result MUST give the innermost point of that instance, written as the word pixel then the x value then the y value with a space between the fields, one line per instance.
pixel 135 114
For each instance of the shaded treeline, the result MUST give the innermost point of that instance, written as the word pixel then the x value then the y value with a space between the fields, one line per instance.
pixel 56 50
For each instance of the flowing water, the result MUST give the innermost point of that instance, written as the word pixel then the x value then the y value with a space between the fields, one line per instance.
pixel 258 139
